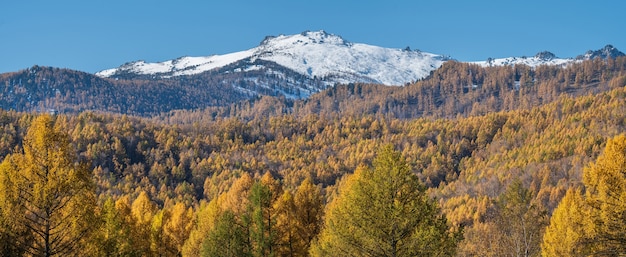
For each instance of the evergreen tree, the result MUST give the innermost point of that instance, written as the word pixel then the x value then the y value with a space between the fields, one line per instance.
pixel 384 211
pixel 227 239
pixel 262 222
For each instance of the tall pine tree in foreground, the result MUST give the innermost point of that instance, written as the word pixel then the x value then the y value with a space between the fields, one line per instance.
pixel 47 199
pixel 384 211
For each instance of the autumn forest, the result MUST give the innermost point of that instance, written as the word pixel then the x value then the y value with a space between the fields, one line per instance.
pixel 471 161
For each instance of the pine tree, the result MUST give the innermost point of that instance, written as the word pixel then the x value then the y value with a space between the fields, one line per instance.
pixel 46 194
pixel 227 239
pixel 384 211
pixel 262 223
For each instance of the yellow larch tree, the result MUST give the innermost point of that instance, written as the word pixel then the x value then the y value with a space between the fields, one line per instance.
pixel 566 226
pixel 178 226
pixel 47 195
pixel 299 219
pixel 593 223
pixel 143 211
pixel 605 183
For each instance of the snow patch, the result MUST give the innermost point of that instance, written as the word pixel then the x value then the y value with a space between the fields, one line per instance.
pixel 529 61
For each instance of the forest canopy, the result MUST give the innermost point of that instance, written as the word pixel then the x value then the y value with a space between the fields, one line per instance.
pixel 269 176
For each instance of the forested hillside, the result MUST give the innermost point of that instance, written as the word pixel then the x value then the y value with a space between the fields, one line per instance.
pixel 278 177
pixel 483 171
pixel 46 89
pixel 454 89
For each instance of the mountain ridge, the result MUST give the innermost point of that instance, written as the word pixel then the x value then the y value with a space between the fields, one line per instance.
pixel 286 67
pixel 315 54
pixel 453 89
pixel 327 59
pixel 549 58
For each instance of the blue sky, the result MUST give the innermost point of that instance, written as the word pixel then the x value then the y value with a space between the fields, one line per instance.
pixel 94 35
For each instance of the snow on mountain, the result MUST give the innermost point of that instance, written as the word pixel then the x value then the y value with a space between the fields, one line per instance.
pixel 313 54
pixel 607 51
pixel 319 54
pixel 181 66
pixel 296 66
pixel 541 58
pixel 548 58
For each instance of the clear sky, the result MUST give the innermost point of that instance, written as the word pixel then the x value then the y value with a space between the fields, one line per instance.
pixel 92 35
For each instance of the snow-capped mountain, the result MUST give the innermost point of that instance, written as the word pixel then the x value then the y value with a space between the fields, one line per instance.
pixel 294 66
pixel 541 58
pixel 316 54
pixel 548 58
pixel 297 66
pixel 606 52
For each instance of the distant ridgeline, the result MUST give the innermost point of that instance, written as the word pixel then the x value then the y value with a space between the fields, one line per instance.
pixel 455 88
pixel 313 72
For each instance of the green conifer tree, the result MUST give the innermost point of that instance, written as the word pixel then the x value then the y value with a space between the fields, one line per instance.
pixel 384 211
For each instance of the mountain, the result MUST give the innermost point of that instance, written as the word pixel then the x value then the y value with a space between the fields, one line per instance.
pixel 548 58
pixel 541 58
pixel 314 55
pixel 606 52
pixel 297 66
pixel 286 66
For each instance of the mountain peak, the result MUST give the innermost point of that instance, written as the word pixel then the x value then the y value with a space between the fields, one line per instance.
pixel 548 58
pixel 316 55
pixel 606 52
pixel 304 38
pixel 545 55
pixel 322 36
